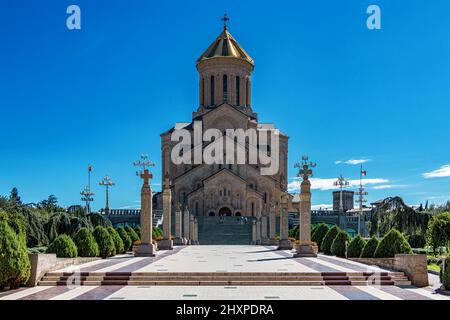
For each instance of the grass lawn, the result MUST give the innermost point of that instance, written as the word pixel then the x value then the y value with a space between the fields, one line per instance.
pixel 434 267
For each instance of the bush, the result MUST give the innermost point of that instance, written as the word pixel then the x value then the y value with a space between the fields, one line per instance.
pixel 99 220
pixel 63 246
pixel 126 239
pixel 157 233
pixel 445 274
pixel 138 231
pixel 438 232
pixel 86 244
pixel 105 242
pixel 417 240
pixel 133 235
pixel 320 233
pixel 338 247
pixel 58 223
pixel 328 239
pixel 369 249
pixel 14 261
pixel 355 247
pixel 118 243
pixel 392 243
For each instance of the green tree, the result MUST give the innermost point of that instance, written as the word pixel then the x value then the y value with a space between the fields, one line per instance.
pixel 328 239
pixel 438 232
pixel 320 233
pixel 118 243
pixel 63 246
pixel 338 247
pixel 86 244
pixel 14 196
pixel 133 235
pixel 392 243
pixel 370 247
pixel 105 242
pixel 127 243
pixel 355 247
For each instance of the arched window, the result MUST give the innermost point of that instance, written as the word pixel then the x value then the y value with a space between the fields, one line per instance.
pixel 253 209
pixel 246 93
pixel 238 90
pixel 196 208
pixel 203 91
pixel 212 90
pixel 225 88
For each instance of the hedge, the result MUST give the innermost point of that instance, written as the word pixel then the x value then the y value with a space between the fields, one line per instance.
pixel 133 235
pixel 392 243
pixel 369 249
pixel 63 246
pixel 338 247
pixel 86 244
pixel 320 233
pixel 138 231
pixel 355 247
pixel 445 273
pixel 105 242
pixel 118 243
pixel 126 239
pixel 417 240
pixel 14 261
pixel 328 239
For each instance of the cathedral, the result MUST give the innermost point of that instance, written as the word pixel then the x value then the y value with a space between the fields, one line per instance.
pixel 225 102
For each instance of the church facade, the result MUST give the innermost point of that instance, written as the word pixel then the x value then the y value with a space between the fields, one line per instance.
pixel 225 189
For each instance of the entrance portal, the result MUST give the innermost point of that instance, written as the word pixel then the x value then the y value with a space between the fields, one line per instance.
pixel 225 211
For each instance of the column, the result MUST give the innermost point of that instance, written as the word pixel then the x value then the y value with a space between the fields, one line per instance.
pixel 305 248
pixel 242 92
pixel 264 238
pixel 186 226
pixel 207 90
pixel 258 230
pixel 146 248
pixel 178 222
pixel 272 226
pixel 254 231
pixel 196 231
pixel 285 243
pixel 166 243
pixel 191 230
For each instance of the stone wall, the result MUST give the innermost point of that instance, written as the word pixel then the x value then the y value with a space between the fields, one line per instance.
pixel 41 263
pixel 413 265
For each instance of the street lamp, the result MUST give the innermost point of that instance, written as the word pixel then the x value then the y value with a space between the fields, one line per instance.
pixel 341 182
pixel 107 183
pixel 87 197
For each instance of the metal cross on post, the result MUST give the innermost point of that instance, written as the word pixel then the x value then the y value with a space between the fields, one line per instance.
pixel 107 183
pixel 225 19
pixel 144 162
pixel 304 168
pixel 87 197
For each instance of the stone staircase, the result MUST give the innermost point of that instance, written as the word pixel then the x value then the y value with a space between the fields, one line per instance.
pixel 228 232
pixel 225 278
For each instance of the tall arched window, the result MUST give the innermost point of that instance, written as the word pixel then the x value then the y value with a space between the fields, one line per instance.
pixel 246 93
pixel 238 90
pixel 203 91
pixel 225 88
pixel 253 209
pixel 212 90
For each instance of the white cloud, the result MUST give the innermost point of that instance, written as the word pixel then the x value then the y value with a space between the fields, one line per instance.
pixel 357 161
pixel 321 206
pixel 337 162
pixel 389 186
pixel 443 171
pixel 130 207
pixel 328 184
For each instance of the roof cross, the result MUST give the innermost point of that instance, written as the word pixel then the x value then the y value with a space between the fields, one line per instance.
pixel 225 19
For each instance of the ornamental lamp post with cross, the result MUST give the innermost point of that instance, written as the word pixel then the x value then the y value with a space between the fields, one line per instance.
pixel 86 196
pixel 107 183
pixel 305 248
pixel 341 182
pixel 146 248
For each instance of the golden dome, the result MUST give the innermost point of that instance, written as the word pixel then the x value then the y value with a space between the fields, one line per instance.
pixel 225 46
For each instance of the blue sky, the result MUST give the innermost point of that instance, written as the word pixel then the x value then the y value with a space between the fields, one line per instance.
pixel 103 94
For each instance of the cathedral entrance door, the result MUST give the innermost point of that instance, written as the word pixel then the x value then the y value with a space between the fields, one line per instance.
pixel 225 211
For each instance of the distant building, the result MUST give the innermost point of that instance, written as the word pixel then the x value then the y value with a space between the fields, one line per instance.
pixel 347 200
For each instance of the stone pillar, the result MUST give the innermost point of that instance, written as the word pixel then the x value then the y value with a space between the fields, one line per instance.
pixel 146 248
pixel 166 243
pixel 191 240
pixel 285 243
pixel 186 225
pixel 264 237
pixel 272 226
pixel 254 231
pixel 178 223
pixel 305 248
pixel 258 231
pixel 196 231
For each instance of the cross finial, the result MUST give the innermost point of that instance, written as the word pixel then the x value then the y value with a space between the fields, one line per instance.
pixel 225 19
pixel 304 168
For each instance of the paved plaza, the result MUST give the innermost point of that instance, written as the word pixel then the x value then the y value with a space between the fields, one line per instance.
pixel 223 259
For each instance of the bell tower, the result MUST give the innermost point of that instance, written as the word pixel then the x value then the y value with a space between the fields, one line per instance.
pixel 225 74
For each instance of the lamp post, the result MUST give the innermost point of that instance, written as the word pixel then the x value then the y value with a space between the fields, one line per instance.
pixel 87 197
pixel 341 182
pixel 361 193
pixel 107 183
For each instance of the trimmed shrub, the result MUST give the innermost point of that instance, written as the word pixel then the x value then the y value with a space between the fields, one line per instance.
pixel 338 246
pixel 14 261
pixel 58 223
pixel 63 246
pixel 99 220
pixel 138 231
pixel 86 244
pixel 355 247
pixel 417 240
pixel 319 234
pixel 328 239
pixel 438 233
pixel 126 239
pixel 157 233
pixel 445 273
pixel 392 243
pixel 105 242
pixel 133 235
pixel 118 243
pixel 369 249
